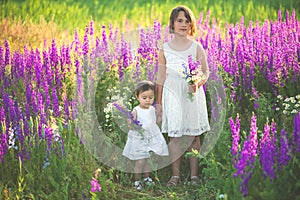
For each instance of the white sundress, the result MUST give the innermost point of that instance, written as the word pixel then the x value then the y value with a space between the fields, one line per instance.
pixel 139 145
pixel 181 116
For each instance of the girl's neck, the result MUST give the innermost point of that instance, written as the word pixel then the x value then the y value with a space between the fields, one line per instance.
pixel 181 39
pixel 180 43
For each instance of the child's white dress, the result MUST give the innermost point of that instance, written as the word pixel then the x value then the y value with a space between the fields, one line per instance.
pixel 181 116
pixel 139 145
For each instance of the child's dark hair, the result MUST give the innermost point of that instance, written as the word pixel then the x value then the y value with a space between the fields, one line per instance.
pixel 144 86
pixel 188 14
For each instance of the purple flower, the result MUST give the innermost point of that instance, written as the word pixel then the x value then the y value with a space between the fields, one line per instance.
pixel 40 105
pixel 267 153
pixel 127 114
pixel 7 53
pixel 247 157
pixel 253 136
pixel 66 108
pixel 235 130
pixel 53 54
pixel 296 133
pixel 55 103
pixel 91 28
pixel 48 137
pixel 85 46
pixel 2 62
pixel 95 185
pixel 77 43
pixel 3 146
pixel 284 156
pixel 2 114
pixel 38 68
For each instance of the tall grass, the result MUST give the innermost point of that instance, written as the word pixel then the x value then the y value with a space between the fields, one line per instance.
pixel 71 14
pixel 31 22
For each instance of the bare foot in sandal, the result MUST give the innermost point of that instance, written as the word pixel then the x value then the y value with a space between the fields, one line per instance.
pixel 195 180
pixel 174 181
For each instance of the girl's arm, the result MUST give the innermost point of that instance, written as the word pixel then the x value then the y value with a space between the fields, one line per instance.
pixel 134 114
pixel 161 77
pixel 201 55
pixel 134 117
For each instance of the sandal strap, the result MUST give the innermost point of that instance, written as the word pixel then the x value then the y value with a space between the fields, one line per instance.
pixel 195 180
pixel 174 180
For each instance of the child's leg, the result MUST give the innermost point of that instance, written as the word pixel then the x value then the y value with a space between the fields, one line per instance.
pixel 147 168
pixel 175 154
pixel 194 162
pixel 138 168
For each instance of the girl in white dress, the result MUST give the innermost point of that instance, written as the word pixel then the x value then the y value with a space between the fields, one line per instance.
pixel 139 144
pixel 181 116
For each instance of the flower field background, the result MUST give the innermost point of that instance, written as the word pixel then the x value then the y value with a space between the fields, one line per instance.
pixel 63 63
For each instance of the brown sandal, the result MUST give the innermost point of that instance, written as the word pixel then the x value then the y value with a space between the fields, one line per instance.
pixel 174 181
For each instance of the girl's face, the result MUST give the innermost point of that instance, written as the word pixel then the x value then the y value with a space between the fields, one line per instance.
pixel 181 25
pixel 146 98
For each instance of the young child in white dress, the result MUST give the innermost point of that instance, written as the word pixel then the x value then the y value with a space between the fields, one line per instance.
pixel 140 144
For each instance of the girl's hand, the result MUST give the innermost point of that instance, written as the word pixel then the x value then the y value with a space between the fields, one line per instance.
pixel 158 111
pixel 201 83
pixel 193 88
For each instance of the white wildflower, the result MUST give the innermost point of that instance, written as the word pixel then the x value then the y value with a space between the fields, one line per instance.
pixel 285 112
pixel 287 100
pixel 293 100
pixel 115 97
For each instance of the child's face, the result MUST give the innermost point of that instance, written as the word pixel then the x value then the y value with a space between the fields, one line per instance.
pixel 181 25
pixel 146 98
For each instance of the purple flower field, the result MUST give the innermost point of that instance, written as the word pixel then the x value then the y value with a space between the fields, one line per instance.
pixel 259 64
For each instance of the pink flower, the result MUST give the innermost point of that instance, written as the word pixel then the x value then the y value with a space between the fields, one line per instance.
pixel 95 185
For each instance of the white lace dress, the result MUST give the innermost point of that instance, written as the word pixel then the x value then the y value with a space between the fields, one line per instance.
pixel 181 116
pixel 139 145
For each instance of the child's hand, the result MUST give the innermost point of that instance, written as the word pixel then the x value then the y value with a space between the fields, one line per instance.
pixel 129 123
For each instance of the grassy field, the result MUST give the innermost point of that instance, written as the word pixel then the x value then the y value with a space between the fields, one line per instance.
pixel 30 22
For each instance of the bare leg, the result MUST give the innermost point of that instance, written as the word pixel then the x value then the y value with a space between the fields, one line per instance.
pixel 194 162
pixel 138 168
pixel 175 154
pixel 146 169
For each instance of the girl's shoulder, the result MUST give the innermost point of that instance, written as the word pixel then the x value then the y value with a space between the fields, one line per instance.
pixel 165 45
pixel 135 109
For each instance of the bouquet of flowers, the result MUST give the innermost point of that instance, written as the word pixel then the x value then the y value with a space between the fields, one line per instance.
pixel 192 73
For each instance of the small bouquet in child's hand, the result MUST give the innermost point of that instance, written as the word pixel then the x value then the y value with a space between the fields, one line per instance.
pixel 133 123
pixel 193 74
